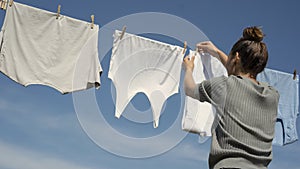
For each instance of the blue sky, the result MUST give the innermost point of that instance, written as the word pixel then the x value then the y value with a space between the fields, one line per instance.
pixel 39 127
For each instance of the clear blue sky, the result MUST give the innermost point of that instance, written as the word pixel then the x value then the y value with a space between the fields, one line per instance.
pixel 39 126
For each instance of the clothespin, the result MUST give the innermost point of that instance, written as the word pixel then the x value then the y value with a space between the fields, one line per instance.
pixel 11 2
pixel 3 4
pixel 196 51
pixel 295 74
pixel 93 21
pixel 123 32
pixel 185 46
pixel 58 11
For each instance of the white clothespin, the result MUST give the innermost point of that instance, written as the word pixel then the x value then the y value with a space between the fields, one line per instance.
pixel 93 21
pixel 58 11
pixel 196 51
pixel 123 32
pixel 184 47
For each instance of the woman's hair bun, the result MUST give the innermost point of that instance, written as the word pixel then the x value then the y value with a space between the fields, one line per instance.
pixel 253 34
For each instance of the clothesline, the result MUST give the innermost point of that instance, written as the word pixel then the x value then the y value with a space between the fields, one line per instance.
pixel 58 14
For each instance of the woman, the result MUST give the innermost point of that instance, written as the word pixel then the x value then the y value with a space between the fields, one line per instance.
pixel 247 109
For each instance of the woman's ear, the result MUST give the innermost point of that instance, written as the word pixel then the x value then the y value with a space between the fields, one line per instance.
pixel 237 56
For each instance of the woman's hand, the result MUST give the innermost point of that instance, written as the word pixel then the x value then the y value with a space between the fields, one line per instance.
pixel 208 47
pixel 189 63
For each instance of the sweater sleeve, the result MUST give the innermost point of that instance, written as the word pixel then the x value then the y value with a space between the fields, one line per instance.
pixel 212 91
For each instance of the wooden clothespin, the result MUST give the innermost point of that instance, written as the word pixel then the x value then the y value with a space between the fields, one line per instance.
pixel 123 32
pixel 184 47
pixel 58 11
pixel 295 74
pixel 3 4
pixel 93 21
pixel 11 2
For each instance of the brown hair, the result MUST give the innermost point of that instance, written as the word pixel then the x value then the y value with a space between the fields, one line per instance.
pixel 252 51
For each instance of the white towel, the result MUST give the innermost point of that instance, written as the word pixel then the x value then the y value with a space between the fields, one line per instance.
pixel 37 48
pixel 198 117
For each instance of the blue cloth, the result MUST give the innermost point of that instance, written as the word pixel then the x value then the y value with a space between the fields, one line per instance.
pixel 288 108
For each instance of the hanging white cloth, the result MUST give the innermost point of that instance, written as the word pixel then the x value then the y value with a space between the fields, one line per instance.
pixel 140 64
pixel 37 48
pixel 198 117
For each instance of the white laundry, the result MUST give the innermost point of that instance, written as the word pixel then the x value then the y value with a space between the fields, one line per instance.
pixel 143 65
pixel 198 117
pixel 37 48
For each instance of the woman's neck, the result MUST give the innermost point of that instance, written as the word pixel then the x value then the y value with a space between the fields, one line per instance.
pixel 249 76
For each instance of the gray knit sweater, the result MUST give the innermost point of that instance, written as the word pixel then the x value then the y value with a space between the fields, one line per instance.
pixel 244 127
